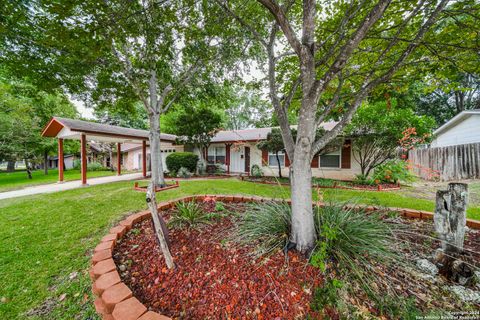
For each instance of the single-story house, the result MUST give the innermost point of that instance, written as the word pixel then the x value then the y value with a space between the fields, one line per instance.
pixel 464 128
pixel 235 151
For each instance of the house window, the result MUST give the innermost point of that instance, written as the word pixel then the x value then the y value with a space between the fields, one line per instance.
pixel 330 160
pixel 272 159
pixel 216 155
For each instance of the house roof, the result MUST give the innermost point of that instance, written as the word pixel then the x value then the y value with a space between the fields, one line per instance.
pixel 254 134
pixel 73 128
pixel 455 120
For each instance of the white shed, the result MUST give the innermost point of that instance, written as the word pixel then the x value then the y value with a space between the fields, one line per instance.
pixel 464 128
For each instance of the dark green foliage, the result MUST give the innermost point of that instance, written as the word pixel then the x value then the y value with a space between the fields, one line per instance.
pixel 393 171
pixel 363 180
pixel 326 295
pixel 92 166
pixel 267 225
pixel 177 160
pixel 189 215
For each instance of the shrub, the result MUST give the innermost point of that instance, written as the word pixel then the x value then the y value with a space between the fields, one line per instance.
pixel 363 180
pixel 188 214
pixel 176 160
pixel 393 171
pixel 92 166
pixel 184 173
pixel 256 171
pixel 267 225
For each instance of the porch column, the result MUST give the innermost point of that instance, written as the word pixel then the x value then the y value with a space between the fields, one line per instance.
pixel 83 145
pixel 119 158
pixel 60 160
pixel 144 158
pixel 227 156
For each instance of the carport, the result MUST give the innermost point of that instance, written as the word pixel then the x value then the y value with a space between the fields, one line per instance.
pixel 63 129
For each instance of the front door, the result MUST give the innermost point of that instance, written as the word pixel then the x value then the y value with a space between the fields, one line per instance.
pixel 247 159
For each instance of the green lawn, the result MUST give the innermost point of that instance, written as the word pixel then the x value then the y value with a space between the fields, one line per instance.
pixel 44 238
pixel 19 179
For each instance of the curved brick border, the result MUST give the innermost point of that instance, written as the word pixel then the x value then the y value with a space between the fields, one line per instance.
pixel 116 301
pixel 144 189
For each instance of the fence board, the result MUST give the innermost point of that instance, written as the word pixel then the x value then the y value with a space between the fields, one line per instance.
pixel 451 163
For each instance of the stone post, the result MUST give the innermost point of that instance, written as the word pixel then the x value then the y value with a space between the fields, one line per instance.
pixel 450 216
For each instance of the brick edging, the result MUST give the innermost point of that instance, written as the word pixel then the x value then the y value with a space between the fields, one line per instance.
pixel 335 186
pixel 116 301
pixel 144 189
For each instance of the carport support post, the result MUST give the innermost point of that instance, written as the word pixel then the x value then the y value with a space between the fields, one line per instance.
pixel 119 158
pixel 144 158
pixel 83 143
pixel 227 157
pixel 60 160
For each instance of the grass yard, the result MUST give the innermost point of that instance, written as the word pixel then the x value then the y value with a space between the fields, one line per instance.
pixel 46 240
pixel 19 179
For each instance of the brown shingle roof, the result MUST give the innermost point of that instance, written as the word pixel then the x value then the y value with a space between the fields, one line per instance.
pixel 98 128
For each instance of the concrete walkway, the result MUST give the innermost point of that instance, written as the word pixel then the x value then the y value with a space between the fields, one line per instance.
pixel 56 187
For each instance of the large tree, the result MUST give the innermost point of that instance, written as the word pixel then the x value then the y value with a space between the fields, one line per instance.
pixel 331 54
pixel 378 127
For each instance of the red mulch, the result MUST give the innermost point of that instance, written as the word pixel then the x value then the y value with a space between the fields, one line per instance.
pixel 214 279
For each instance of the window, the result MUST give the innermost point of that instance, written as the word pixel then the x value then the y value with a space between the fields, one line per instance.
pixel 216 155
pixel 272 159
pixel 330 160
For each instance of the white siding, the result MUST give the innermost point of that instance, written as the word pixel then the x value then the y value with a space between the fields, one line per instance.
pixel 464 132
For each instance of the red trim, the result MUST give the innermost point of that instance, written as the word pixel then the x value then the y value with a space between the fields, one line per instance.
pixel 227 157
pixel 314 163
pixel 60 160
pixel 119 158
pixel 287 160
pixel 144 158
pixel 52 128
pixel 83 145
pixel 264 157
pixel 346 154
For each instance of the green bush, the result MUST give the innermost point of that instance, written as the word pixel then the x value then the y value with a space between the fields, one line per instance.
pixel 267 225
pixel 256 171
pixel 177 160
pixel 92 166
pixel 393 171
pixel 363 180
pixel 188 214
pixel 184 173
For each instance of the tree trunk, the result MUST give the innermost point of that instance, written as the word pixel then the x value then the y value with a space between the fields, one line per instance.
pixel 279 166
pixel 155 151
pixel 161 230
pixel 29 171
pixel 450 216
pixel 45 162
pixel 10 166
pixel 303 228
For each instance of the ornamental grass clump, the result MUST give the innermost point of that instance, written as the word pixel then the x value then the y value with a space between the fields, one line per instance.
pixel 267 225
pixel 188 214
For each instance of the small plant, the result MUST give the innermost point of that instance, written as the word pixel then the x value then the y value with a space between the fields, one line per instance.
pixel 393 171
pixel 183 173
pixel 267 225
pixel 256 171
pixel 326 295
pixel 362 179
pixel 188 214
pixel 219 206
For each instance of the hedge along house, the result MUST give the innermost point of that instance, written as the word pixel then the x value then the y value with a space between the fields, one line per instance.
pixel 85 131
pixel 236 152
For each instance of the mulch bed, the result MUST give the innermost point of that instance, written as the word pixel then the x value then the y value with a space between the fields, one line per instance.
pixel 349 185
pixel 214 278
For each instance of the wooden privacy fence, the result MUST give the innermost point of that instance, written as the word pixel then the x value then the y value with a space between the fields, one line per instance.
pixel 447 163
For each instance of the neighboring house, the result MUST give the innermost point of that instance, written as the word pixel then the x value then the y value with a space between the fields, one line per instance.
pixel 454 153
pixel 68 159
pixel 464 128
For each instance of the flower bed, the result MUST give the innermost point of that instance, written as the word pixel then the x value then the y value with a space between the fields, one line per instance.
pixel 327 184
pixel 130 277
pixel 137 187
